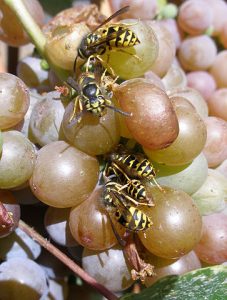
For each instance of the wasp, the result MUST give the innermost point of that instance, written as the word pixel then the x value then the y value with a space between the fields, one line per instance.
pixel 135 165
pixel 126 214
pixel 90 97
pixel 114 37
pixel 133 187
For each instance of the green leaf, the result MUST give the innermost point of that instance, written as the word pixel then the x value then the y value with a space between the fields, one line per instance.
pixel 202 284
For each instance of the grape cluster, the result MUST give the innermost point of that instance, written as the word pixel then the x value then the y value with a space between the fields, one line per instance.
pixel 61 169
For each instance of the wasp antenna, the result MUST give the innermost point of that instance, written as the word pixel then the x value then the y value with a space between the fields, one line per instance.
pixel 119 110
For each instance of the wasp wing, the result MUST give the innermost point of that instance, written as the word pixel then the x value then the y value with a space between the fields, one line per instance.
pixel 117 13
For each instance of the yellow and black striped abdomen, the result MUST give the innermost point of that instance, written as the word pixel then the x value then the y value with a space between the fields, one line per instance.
pixel 136 190
pixel 133 219
pixel 122 36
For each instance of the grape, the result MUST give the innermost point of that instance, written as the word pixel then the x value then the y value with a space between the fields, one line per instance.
pixel 19 244
pixel 195 16
pixel 164 267
pixel 203 82
pixel 29 70
pixel 197 53
pixel 1 142
pixel 17 160
pixel 63 176
pixel 211 196
pixel 176 32
pixel 108 268
pixel 124 63
pixel 218 69
pixel 154 79
pixel 176 225
pixel 217 103
pixel 45 121
pixel 222 168
pixel 215 148
pixel 212 247
pixel 174 78
pixel 188 144
pixel 14 100
pixel 194 97
pixel 183 103
pixel 188 178
pixel 151 112
pixel 90 225
pixel 62 43
pixel 219 9
pixel 105 130
pixel 56 224
pixel 223 36
pixel 13 210
pixel 138 8
pixel 22 278
pixel 11 29
pixel 166 50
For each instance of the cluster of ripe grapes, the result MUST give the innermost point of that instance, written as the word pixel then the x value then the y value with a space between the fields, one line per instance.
pixel 163 95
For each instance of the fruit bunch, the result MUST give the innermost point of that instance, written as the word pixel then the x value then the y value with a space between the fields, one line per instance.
pixel 113 145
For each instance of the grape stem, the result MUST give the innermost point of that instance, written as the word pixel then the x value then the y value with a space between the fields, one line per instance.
pixel 66 260
pixel 30 26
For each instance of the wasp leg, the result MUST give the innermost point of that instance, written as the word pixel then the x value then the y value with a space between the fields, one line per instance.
pixel 106 63
pixel 158 185
pixel 119 239
pixel 77 101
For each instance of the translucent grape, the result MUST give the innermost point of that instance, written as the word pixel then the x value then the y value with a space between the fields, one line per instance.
pixel 197 53
pixel 222 168
pixel 172 26
pixel 22 278
pixel 151 111
pixel 174 78
pixel 194 97
pixel 154 79
pixel 188 144
pixel 215 148
pixel 17 160
pixel 92 135
pixel 203 82
pixel 56 224
pixel 45 121
pixel 218 69
pixel 108 268
pixel 212 247
pixel 176 225
pixel 63 176
pixel 125 64
pixel 14 100
pixel 195 16
pixel 93 231
pixel 219 9
pixel 188 178
pixel 211 196
pixel 166 50
pixel 217 103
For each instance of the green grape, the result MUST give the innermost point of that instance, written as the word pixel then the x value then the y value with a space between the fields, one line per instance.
pixel 14 100
pixel 211 196
pixel 177 224
pixel 188 178
pixel 124 63
pixel 17 160
pixel 92 135
pixel 188 144
pixel 63 176
pixel 1 142
pixel 90 223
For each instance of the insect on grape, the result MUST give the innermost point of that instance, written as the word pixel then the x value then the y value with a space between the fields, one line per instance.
pixel 114 37
pixel 90 97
